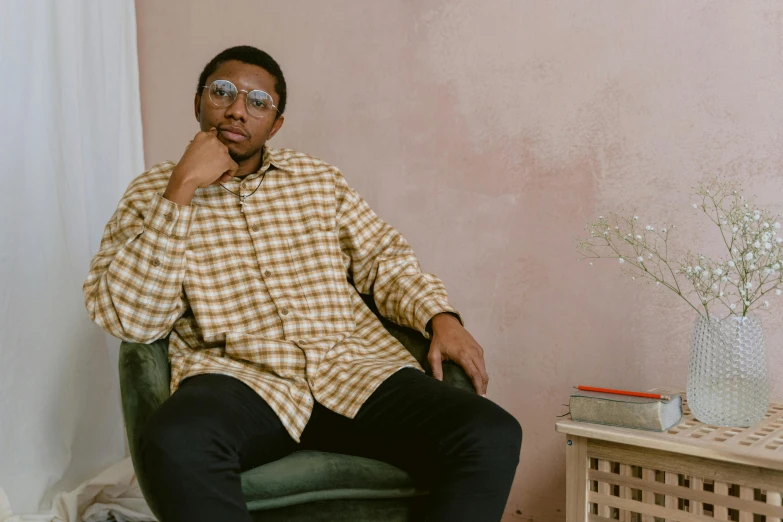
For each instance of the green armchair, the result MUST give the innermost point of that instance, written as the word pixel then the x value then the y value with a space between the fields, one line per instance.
pixel 307 486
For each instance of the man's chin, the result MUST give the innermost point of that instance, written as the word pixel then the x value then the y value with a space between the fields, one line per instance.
pixel 239 155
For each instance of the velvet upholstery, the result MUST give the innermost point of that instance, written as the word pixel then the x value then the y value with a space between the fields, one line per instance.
pixel 306 485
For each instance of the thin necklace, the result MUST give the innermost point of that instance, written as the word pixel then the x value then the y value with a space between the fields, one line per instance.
pixel 243 198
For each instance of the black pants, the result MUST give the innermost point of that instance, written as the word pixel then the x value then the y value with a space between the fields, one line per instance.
pixel 464 448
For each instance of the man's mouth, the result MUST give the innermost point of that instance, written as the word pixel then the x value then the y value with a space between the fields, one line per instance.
pixel 233 134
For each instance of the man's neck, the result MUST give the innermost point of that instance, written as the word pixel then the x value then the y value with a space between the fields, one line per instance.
pixel 250 165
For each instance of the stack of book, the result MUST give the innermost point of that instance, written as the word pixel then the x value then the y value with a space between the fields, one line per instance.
pixel 628 409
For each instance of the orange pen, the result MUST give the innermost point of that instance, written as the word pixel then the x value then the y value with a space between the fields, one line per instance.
pixel 625 392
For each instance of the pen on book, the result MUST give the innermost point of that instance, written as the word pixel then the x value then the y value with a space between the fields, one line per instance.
pixel 625 392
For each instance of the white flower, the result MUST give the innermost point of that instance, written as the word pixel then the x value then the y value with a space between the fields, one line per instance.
pixel 766 236
pixel 756 245
pixel 606 232
pixel 648 227
pixel 776 225
pixel 638 236
pixel 734 229
pixel 723 222
pixel 663 230
pixel 720 294
pixel 767 271
pixel 767 246
pixel 765 225
pixel 734 251
pixel 733 306
pixel 731 263
pixel 714 287
pixel 600 217
pixel 778 292
pixel 776 266
pixel 649 256
pixel 749 256
pixel 635 218
pixel 640 259
pixel 748 285
pixel 621 260
pixel 747 303
pixel 779 239
pixel 766 304
pixel 717 271
pixel 695 205
pixel 752 266
pixel 724 279
pixel 697 269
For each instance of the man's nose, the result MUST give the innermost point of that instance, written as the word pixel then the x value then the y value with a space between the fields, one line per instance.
pixel 238 109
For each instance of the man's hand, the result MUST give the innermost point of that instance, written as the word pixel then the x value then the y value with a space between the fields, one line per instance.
pixel 452 342
pixel 206 161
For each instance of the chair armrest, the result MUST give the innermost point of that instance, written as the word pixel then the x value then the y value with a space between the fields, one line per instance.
pixel 144 384
pixel 419 347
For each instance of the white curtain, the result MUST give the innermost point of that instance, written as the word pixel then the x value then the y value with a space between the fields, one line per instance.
pixel 70 142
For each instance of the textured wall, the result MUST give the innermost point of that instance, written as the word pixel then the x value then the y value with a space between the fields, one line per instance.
pixel 489 133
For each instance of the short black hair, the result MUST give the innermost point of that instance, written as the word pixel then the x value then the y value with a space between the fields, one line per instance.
pixel 253 56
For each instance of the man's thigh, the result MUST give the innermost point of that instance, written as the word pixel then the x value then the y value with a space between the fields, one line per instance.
pixel 412 421
pixel 220 416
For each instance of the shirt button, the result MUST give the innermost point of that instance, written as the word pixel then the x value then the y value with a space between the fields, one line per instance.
pixel 284 311
pixel 256 227
pixel 156 262
pixel 267 273
pixel 168 217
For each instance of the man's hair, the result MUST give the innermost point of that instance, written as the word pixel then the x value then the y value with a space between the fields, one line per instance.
pixel 253 56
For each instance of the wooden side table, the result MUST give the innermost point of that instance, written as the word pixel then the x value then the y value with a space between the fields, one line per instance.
pixel 692 473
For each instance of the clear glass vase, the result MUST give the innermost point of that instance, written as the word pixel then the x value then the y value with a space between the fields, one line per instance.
pixel 728 379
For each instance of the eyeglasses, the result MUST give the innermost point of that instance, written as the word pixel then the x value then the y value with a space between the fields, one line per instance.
pixel 222 93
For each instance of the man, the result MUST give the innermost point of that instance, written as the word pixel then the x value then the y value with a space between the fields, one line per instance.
pixel 253 259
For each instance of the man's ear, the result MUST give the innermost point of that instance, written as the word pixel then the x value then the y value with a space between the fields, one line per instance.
pixel 197 107
pixel 276 126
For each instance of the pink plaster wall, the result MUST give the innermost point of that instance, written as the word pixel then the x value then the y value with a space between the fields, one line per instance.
pixel 489 133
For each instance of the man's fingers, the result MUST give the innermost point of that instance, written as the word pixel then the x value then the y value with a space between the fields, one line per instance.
pixel 478 362
pixel 474 374
pixel 436 361
pixel 233 168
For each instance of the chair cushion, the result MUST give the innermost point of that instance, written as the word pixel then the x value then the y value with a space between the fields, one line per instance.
pixel 309 476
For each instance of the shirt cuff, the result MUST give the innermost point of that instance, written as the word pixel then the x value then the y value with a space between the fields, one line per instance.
pixel 426 311
pixel 169 218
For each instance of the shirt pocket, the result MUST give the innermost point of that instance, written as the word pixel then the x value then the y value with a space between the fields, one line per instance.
pixel 323 286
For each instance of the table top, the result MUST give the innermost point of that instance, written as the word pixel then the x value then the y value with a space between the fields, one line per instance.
pixel 759 445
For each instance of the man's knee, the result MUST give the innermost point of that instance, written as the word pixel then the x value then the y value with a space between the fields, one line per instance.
pixel 496 433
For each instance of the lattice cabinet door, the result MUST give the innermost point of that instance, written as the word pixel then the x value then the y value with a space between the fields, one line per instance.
pixel 607 481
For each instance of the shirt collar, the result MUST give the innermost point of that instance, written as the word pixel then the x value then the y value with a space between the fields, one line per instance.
pixel 275 157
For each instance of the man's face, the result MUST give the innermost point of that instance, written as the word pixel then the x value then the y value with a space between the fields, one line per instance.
pixel 244 134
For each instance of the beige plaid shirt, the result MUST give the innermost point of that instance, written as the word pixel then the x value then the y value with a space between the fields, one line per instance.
pixel 264 295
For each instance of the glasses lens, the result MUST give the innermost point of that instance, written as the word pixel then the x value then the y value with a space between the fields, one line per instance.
pixel 259 103
pixel 222 93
